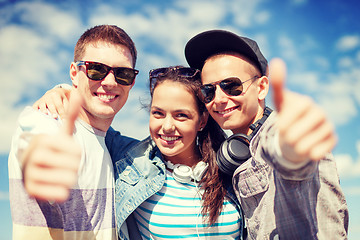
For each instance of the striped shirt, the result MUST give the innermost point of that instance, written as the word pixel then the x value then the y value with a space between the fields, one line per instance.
pixel 175 212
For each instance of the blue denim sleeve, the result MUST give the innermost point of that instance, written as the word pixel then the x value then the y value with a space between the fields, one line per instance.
pixel 118 144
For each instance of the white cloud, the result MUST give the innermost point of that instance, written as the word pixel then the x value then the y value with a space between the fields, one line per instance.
pixel 347 167
pixel 339 94
pixel 287 46
pixel 322 62
pixel 340 109
pixel 49 19
pixel 250 15
pixel 345 62
pixel 262 17
pixel 308 81
pixel 348 42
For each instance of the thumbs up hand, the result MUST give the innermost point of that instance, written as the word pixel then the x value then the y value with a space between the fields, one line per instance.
pixel 305 133
pixel 50 163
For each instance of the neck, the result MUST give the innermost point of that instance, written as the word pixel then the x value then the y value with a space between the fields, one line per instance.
pixel 100 124
pixel 246 129
pixel 190 160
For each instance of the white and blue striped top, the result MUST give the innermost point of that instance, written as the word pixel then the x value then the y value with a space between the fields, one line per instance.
pixel 175 213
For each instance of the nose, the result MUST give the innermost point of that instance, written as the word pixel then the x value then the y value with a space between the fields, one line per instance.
pixel 109 79
pixel 220 96
pixel 168 125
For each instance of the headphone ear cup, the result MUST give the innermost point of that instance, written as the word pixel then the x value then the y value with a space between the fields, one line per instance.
pixel 182 173
pixel 232 153
pixel 199 170
pixel 235 150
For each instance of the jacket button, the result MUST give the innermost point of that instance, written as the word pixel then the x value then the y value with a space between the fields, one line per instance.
pixel 126 172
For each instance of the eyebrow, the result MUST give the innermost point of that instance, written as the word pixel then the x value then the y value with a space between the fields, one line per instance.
pixel 176 111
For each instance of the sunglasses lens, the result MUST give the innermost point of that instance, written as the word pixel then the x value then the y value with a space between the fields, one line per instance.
pixel 96 71
pixel 232 86
pixel 125 76
pixel 157 72
pixel 207 93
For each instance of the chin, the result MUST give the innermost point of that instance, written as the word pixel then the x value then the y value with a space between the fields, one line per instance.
pixel 167 153
pixel 229 125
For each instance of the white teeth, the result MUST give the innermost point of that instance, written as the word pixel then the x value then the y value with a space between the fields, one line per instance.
pixel 106 96
pixel 226 111
pixel 169 138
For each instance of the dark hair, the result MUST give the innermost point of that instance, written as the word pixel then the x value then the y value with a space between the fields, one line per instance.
pixel 104 33
pixel 209 140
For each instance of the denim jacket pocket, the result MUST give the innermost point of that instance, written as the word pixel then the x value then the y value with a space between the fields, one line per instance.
pixel 252 181
pixel 127 172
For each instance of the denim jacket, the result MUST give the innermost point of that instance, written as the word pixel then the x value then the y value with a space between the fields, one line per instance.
pixel 139 174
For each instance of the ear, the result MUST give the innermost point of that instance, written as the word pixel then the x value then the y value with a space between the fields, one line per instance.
pixel 203 120
pixel 263 87
pixel 73 74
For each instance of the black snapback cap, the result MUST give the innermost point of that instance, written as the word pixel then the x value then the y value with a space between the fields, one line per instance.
pixel 208 43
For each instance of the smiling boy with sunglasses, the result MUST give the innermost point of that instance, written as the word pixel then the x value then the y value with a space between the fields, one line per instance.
pixel 289 187
pixel 45 152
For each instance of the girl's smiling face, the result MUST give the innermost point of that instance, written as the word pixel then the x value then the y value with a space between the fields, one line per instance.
pixel 175 121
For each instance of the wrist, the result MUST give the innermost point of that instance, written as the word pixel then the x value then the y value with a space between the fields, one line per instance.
pixel 286 156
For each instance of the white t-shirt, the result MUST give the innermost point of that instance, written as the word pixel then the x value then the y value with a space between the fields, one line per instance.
pixel 89 211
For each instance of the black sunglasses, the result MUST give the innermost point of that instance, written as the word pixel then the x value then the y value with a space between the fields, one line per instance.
pixel 182 71
pixel 231 86
pixel 185 72
pixel 98 71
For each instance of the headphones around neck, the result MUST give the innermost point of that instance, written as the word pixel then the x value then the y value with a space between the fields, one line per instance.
pixel 184 174
pixel 235 150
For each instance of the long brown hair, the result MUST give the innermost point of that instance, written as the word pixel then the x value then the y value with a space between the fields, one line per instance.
pixel 209 140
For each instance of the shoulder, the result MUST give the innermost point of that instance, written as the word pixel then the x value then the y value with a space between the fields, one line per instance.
pixel 117 143
pixel 31 120
pixel 115 137
pixel 145 147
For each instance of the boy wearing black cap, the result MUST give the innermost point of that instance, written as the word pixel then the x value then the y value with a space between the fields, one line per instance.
pixel 289 187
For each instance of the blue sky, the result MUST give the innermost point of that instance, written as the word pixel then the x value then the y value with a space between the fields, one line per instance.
pixel 319 41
